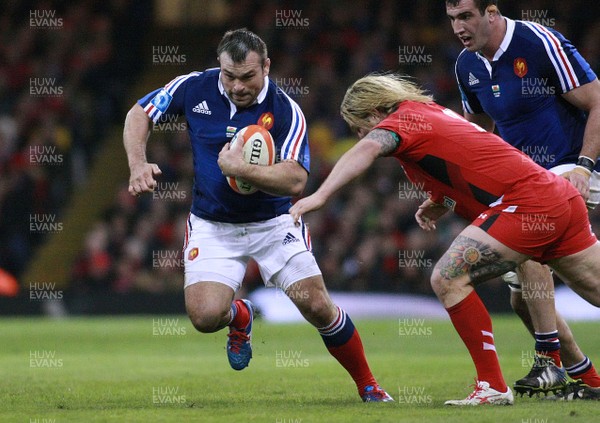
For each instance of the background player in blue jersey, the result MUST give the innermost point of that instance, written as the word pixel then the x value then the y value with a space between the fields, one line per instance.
pixel 225 229
pixel 533 85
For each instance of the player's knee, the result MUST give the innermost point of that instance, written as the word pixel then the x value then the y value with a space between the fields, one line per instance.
pixel 319 306
pixel 316 306
pixel 207 320
pixel 205 325
pixel 440 285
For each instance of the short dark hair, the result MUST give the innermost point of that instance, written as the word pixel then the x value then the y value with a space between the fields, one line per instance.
pixel 482 5
pixel 239 42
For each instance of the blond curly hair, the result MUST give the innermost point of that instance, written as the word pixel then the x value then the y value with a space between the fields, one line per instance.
pixel 378 92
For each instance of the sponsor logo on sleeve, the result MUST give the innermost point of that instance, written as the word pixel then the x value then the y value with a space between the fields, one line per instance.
pixel 162 100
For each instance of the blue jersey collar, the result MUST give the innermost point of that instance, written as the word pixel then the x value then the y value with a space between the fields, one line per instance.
pixel 510 30
pixel 259 99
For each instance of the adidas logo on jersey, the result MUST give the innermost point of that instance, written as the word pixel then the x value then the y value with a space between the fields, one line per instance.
pixel 472 79
pixel 202 107
pixel 289 238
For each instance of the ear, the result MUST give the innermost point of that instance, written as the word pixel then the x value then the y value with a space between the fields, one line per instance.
pixel 267 66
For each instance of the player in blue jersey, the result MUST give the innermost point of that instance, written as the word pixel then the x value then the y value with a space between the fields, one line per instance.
pixel 533 85
pixel 225 229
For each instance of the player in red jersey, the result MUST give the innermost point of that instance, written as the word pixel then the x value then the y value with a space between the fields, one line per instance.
pixel 482 178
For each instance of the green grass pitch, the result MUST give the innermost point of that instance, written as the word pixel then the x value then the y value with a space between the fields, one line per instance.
pixel 158 369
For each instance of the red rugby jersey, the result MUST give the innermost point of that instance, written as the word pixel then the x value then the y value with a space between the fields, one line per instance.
pixel 467 168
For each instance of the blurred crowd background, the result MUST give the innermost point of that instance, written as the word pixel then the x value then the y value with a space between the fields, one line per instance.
pixel 68 76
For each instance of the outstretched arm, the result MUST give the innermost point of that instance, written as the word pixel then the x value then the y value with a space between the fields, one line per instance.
pixel 353 163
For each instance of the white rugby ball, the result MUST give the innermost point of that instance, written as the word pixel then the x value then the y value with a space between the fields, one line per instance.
pixel 258 149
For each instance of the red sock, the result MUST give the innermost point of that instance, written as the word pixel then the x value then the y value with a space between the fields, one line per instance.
pixel 242 315
pixel 554 355
pixel 591 378
pixel 585 372
pixel 474 325
pixel 343 342
pixel 352 357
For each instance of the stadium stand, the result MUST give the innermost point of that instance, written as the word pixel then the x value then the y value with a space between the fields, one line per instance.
pixel 102 58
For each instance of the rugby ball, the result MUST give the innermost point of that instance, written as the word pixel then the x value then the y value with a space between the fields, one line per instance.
pixel 258 149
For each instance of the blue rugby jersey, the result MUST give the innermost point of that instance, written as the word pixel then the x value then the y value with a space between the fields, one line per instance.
pixel 521 91
pixel 212 121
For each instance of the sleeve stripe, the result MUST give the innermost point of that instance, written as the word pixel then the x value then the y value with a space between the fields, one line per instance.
pixel 149 109
pixel 287 146
pixel 175 83
pixel 556 54
pixel 574 82
pixel 300 137
pixel 296 135
pixel 154 113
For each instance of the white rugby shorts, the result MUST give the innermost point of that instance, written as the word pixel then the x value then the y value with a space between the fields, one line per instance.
pixel 219 251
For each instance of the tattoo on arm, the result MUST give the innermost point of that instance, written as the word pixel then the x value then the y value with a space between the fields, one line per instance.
pixel 475 258
pixel 388 140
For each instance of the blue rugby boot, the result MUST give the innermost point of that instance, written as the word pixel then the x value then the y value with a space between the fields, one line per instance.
pixel 239 345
